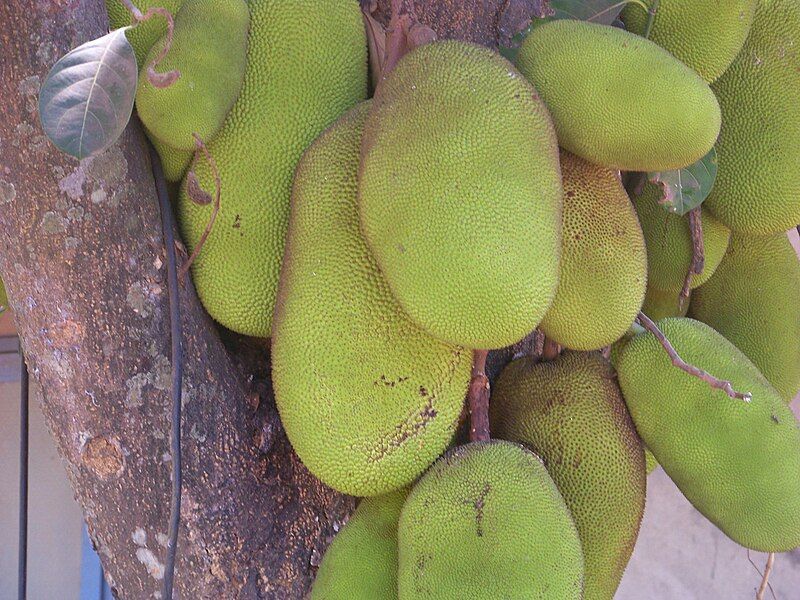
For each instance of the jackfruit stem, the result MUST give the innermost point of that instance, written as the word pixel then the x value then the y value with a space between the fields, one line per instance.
pixel 159 80
pixel 551 349
pixel 765 579
pixel 719 384
pixel 651 17
pixel 698 254
pixel 532 346
pixel 478 399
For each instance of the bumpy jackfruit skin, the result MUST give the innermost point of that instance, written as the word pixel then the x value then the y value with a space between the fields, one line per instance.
pixel 753 301
pixel 174 161
pixel 306 65
pixel 361 562
pixel 660 304
pixel 603 260
pixel 486 522
pixel 571 414
pixel 145 34
pixel 367 398
pixel 209 49
pixel 757 190
pixel 651 464
pixel 669 242
pixel 737 462
pixel 460 194
pixel 704 34
pixel 3 295
pixel 618 99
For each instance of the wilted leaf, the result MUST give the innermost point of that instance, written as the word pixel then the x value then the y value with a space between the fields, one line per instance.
pixel 687 188
pixel 87 98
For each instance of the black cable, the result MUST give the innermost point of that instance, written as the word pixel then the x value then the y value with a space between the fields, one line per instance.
pixel 22 540
pixel 177 368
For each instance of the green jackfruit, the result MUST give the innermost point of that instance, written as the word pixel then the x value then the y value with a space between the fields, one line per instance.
pixel 669 242
pixel 737 462
pixel 603 260
pixel 487 522
pixel 705 34
pixel 306 64
pixel 174 161
pixel 757 189
pixel 367 399
pixel 209 49
pixel 144 35
pixel 361 562
pixel 460 194
pixel 3 295
pixel 659 304
pixel 617 99
pixel 570 412
pixel 754 301
pixel 651 464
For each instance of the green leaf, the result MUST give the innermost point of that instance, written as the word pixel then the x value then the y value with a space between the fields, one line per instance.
pixel 687 188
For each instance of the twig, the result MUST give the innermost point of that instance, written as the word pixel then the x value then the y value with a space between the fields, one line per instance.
pixel 478 399
pixel 760 574
pixel 698 253
pixel 177 369
pixel 551 350
pixel 159 80
pixel 22 532
pixel 725 386
pixel 651 17
pixel 765 579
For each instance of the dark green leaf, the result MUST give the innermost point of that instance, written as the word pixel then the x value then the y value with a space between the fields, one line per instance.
pixel 687 188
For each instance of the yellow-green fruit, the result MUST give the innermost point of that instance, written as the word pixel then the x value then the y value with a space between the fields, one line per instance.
pixel 209 50
pixel 737 462
pixel 144 35
pixel 367 399
pixel 705 34
pixel 757 189
pixel 754 301
pixel 487 522
pixel 460 194
pixel 669 242
pixel 306 64
pixel 651 464
pixel 618 99
pixel 174 161
pixel 659 304
pixel 3 295
pixel 361 562
pixel 603 260
pixel 570 412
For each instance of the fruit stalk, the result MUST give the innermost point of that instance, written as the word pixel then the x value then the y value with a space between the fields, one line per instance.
pixel 478 398
pixel 698 253
pixel 765 580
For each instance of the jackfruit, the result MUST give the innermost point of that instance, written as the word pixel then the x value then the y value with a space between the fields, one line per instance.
pixel 659 304
pixel 3 295
pixel 757 190
pixel 306 64
pixel 145 34
pixel 209 49
pixel 737 462
pixel 361 562
pixel 618 99
pixel 753 300
pixel 174 161
pixel 486 522
pixel 367 399
pixel 570 412
pixel 669 242
pixel 704 34
pixel 603 260
pixel 460 194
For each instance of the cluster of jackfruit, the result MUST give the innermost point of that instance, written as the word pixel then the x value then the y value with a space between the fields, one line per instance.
pixel 380 243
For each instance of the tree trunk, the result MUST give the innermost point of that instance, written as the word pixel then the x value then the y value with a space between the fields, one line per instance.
pixel 83 259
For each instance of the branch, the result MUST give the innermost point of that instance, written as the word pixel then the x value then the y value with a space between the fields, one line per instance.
pixel 725 386
pixel 478 399
pixel 551 350
pixel 698 253
pixel 765 579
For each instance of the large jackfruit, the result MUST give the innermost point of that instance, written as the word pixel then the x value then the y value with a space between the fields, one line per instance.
pixel 754 301
pixel 361 562
pixel 757 189
pixel 460 194
pixel 618 99
pixel 603 269
pixel 737 462
pixel 209 49
pixel 570 412
pixel 367 399
pixel 144 35
pixel 705 34
pixel 306 64
pixel 486 522
pixel 669 242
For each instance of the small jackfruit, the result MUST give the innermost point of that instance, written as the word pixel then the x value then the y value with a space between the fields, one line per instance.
pixel 145 34
pixel 618 99
pixel 603 269
pixel 209 49
pixel 306 64
pixel 659 304
pixel 737 462
pixel 570 412
pixel 757 190
pixel 361 562
pixel 368 400
pixel 486 522
pixel 705 34
pixel 460 194
pixel 669 242
pixel 753 300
